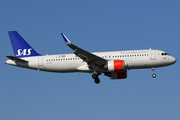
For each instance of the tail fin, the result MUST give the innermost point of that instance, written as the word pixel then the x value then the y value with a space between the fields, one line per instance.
pixel 20 47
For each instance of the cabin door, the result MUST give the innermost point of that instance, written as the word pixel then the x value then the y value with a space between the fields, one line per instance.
pixel 40 61
pixel 153 54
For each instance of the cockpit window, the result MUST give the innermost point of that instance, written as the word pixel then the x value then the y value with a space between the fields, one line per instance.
pixel 164 54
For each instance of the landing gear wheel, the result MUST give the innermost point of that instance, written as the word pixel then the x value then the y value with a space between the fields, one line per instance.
pixel 153 71
pixel 97 81
pixel 153 75
pixel 94 76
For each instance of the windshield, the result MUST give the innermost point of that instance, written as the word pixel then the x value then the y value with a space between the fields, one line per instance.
pixel 164 54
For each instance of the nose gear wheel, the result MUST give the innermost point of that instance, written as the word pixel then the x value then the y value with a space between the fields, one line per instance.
pixel 153 71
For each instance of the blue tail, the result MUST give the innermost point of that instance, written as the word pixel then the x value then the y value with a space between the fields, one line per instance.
pixel 20 47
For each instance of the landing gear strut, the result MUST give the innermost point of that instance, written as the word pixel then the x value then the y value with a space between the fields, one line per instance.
pixel 95 77
pixel 153 75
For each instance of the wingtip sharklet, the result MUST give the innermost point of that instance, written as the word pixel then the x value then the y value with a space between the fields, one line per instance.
pixel 65 39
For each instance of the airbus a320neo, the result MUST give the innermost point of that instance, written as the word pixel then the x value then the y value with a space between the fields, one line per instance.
pixel 112 64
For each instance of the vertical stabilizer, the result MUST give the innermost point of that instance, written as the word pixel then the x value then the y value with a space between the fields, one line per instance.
pixel 20 47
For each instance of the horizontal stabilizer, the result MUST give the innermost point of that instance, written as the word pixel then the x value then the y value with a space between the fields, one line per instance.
pixel 15 59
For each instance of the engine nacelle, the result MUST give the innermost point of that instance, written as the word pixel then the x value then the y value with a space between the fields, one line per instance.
pixel 115 66
pixel 117 75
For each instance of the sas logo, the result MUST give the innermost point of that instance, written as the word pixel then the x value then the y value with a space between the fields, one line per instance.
pixel 24 52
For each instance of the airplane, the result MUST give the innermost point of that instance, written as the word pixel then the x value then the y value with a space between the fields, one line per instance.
pixel 112 64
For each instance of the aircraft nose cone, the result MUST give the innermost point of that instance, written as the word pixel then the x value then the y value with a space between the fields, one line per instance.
pixel 173 60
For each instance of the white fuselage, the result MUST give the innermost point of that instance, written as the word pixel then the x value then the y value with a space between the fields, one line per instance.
pixel 135 59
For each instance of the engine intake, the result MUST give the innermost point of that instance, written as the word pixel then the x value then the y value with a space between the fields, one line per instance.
pixel 115 66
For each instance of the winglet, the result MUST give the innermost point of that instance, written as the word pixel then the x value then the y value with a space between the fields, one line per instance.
pixel 65 39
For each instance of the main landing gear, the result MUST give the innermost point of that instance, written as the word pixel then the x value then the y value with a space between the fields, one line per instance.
pixel 153 75
pixel 95 77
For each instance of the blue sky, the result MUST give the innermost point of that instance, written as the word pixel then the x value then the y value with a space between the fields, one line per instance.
pixel 96 25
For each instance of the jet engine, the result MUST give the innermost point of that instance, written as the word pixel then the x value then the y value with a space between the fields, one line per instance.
pixel 117 75
pixel 115 66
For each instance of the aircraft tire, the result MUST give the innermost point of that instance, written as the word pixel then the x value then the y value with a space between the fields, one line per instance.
pixel 154 75
pixel 94 76
pixel 97 80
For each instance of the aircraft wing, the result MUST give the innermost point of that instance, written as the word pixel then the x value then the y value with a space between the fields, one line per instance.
pixel 88 57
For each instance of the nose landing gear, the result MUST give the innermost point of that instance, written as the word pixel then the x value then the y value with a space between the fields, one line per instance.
pixel 95 77
pixel 153 71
